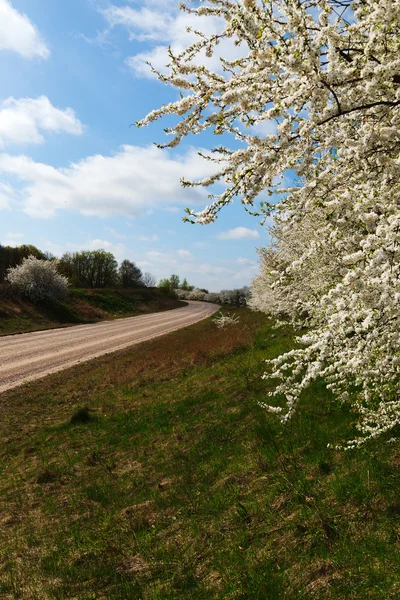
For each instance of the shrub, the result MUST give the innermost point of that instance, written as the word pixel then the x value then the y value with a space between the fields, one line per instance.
pixel 222 321
pixel 196 294
pixel 38 279
pixel 13 256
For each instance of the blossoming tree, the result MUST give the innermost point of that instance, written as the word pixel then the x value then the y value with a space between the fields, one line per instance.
pixel 323 77
pixel 38 280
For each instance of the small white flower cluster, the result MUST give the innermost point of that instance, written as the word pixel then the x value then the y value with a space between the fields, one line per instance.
pixel 38 279
pixel 330 81
pixel 223 321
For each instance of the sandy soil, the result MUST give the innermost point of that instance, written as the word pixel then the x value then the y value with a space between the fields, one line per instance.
pixel 29 356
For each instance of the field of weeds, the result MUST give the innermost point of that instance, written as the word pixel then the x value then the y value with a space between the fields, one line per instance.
pixel 153 474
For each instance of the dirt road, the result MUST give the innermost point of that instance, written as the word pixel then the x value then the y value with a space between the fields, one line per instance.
pixel 29 356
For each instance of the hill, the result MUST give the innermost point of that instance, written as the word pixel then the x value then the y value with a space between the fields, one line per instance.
pixel 83 306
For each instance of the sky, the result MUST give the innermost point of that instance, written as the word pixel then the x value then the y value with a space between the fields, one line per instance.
pixel 74 173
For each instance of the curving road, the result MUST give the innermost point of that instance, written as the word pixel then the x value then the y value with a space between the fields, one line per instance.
pixel 29 356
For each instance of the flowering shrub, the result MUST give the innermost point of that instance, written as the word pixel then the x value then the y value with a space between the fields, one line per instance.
pixel 212 297
pixel 222 321
pixel 181 294
pixel 196 294
pixel 313 101
pixel 237 297
pixel 38 280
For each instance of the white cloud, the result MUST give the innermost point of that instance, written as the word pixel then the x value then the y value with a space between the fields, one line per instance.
pixel 207 269
pixel 7 193
pixel 210 276
pixel 185 255
pixel 120 251
pixel 24 120
pixel 148 238
pixel 18 34
pixel 239 233
pixel 160 257
pixel 55 249
pixel 132 181
pixel 122 236
pixel 152 24
pixel 13 239
pixel 115 233
pixel 245 274
pixel 166 26
pixel 245 261
pixel 202 245
pixel 265 127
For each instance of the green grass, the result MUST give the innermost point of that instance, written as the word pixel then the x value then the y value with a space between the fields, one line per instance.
pixel 153 474
pixel 18 315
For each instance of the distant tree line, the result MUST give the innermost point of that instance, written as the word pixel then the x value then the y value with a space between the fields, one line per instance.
pixel 99 269
pixel 173 283
pixel 235 297
pixel 88 268
pixel 184 291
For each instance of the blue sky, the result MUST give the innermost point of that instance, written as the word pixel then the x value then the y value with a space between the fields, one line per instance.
pixel 73 174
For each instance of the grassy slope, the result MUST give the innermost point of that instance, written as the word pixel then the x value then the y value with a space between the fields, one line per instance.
pixel 83 306
pixel 175 485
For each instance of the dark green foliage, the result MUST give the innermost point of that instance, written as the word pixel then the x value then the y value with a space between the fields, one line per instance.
pixel 169 285
pixel 129 274
pixel 12 257
pixel 90 268
pixel 185 286
pixel 114 302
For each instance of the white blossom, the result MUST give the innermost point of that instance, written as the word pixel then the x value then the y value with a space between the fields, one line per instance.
pixel 223 321
pixel 330 80
pixel 38 279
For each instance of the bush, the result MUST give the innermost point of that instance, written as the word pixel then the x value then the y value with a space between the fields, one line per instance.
pixel 38 280
pixel 12 257
pixel 196 294
pixel 181 294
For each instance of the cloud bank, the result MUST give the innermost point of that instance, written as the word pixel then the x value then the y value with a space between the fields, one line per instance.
pixel 132 181
pixel 239 233
pixel 163 25
pixel 18 34
pixel 25 120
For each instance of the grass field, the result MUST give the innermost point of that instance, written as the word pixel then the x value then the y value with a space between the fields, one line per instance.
pixel 19 315
pixel 153 474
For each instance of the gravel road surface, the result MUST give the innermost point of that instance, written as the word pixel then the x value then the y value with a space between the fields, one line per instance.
pixel 29 356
